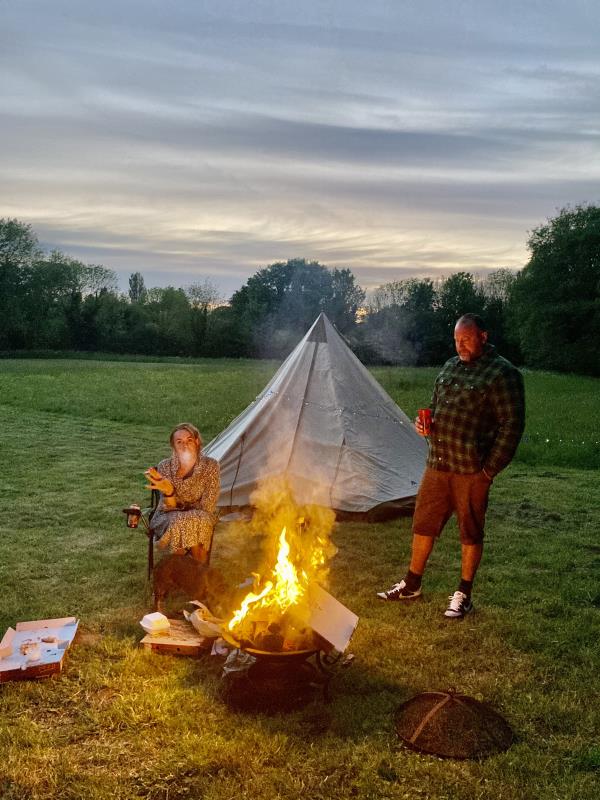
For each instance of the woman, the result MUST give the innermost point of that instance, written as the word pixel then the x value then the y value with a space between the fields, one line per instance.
pixel 189 485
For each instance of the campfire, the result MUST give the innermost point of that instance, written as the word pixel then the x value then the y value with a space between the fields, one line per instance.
pixel 289 632
pixel 282 611
pixel 273 616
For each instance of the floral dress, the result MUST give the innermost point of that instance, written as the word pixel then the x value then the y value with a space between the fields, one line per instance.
pixel 192 521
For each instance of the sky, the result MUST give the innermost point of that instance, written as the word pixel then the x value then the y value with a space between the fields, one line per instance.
pixel 198 140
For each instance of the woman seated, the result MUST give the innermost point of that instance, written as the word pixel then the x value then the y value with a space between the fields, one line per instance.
pixel 189 485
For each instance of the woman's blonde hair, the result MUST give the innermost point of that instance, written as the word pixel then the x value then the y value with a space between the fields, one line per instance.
pixel 186 426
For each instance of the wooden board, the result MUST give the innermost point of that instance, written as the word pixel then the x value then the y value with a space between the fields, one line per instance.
pixel 182 639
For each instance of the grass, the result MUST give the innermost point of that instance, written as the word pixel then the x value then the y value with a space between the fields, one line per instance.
pixel 124 723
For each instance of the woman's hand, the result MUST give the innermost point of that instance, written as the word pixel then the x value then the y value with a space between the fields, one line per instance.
pixel 159 482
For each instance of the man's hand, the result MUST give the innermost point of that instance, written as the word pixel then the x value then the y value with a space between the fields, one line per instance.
pixel 419 427
pixel 157 481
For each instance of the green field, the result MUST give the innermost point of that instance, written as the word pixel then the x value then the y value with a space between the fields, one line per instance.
pixel 123 723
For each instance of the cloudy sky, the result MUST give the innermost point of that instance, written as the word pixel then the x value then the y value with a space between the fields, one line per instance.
pixel 194 139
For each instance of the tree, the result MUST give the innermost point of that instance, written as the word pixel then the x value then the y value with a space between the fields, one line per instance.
pixel 496 288
pixel 169 310
pixel 402 326
pixel 203 295
pixel 137 288
pixel 52 282
pixel 18 243
pixel 388 294
pixel 555 302
pixel 97 279
pixel 457 295
pixel 224 337
pixel 278 304
pixel 203 298
pixel 18 250
pixel 53 289
pixel 345 300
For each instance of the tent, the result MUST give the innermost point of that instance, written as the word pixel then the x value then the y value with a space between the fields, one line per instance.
pixel 325 423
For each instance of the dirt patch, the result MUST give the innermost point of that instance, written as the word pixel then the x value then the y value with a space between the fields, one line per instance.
pixel 555 475
pixel 88 638
pixel 527 512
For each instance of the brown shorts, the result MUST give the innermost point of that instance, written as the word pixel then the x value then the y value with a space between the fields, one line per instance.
pixel 441 494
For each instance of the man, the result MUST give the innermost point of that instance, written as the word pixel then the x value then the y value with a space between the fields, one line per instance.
pixel 189 485
pixel 478 413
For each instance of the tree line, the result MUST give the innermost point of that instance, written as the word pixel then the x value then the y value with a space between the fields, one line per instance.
pixel 546 316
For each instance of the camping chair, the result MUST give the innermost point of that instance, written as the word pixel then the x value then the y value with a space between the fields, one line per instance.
pixel 135 513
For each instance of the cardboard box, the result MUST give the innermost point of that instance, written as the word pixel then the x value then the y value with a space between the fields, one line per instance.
pixel 17 666
pixel 330 619
pixel 181 639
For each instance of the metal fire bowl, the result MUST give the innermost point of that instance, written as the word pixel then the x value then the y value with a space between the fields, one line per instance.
pixel 282 657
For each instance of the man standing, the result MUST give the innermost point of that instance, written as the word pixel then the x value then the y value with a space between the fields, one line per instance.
pixel 478 411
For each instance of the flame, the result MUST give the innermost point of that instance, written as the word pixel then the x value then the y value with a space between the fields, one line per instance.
pixel 284 590
pixel 297 550
pixel 250 598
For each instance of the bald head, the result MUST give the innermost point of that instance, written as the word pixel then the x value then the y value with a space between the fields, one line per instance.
pixel 470 337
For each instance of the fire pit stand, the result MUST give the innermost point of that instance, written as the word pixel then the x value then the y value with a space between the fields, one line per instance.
pixel 281 681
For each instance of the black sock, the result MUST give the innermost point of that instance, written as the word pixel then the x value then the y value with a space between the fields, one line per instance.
pixel 412 581
pixel 465 587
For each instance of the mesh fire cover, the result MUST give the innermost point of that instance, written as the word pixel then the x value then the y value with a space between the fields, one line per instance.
pixel 451 725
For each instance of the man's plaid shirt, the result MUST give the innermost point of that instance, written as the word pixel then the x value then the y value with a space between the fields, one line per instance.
pixel 478 408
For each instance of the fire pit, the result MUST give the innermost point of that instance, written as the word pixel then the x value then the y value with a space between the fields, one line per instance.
pixel 288 631
pixel 276 682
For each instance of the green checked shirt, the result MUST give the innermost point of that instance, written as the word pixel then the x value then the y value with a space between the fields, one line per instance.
pixel 478 410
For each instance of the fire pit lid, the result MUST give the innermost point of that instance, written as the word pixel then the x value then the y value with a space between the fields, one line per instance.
pixel 451 725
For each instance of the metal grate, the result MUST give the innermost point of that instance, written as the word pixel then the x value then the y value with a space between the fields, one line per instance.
pixel 451 725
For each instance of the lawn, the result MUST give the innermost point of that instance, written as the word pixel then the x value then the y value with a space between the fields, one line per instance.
pixel 121 722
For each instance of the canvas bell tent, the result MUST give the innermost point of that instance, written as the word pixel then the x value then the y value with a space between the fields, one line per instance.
pixel 325 423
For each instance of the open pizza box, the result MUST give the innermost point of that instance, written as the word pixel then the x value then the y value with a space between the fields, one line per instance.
pixel 35 649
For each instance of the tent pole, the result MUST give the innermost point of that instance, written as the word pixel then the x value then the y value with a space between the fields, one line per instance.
pixel 237 469
pixel 310 372
pixel 337 469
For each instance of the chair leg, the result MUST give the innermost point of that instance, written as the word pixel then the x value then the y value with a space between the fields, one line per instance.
pixel 150 555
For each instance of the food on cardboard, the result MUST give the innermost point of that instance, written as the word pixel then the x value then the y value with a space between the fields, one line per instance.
pixel 35 649
pixel 155 624
pixel 31 649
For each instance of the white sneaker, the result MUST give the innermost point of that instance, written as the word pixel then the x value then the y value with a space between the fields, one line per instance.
pixel 399 592
pixel 459 605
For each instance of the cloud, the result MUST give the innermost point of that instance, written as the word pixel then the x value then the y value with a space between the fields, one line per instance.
pixel 208 139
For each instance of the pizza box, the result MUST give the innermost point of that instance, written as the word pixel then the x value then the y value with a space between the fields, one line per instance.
pixel 35 649
pixel 330 619
pixel 181 639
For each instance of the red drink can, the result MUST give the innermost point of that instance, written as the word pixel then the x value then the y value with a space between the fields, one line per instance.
pixel 425 420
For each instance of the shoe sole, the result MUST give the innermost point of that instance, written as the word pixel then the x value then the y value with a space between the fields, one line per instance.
pixel 458 616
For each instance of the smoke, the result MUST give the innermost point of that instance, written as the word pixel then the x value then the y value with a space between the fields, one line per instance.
pixel 187 458
pixel 275 338
pixel 308 528
pixel 386 337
